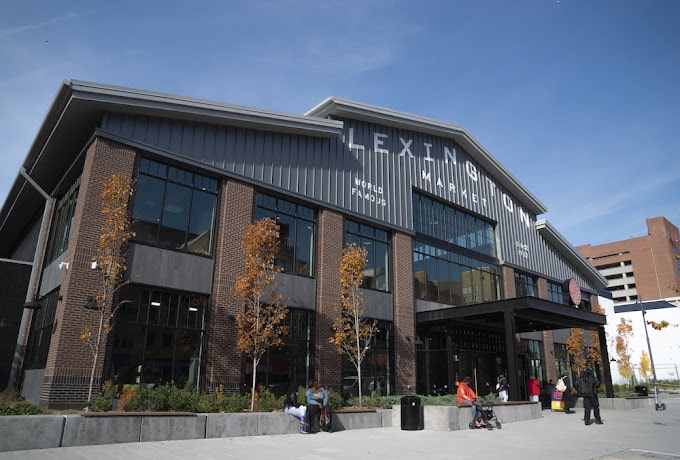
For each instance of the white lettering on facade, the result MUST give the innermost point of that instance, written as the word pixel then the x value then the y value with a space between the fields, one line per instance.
pixel 427 152
pixel 374 194
pixel 378 142
pixel 449 155
pixel 351 143
pixel 522 249
pixel 368 191
pixel 471 170
pixel 406 147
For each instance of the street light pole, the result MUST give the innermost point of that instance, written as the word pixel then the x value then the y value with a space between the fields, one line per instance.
pixel 649 346
pixel 657 405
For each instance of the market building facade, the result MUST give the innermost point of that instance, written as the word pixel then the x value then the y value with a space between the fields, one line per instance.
pixel 461 276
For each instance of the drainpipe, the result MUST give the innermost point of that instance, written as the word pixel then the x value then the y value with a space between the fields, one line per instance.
pixel 22 338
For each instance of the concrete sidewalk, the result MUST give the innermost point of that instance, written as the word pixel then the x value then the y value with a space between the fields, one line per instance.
pixel 626 435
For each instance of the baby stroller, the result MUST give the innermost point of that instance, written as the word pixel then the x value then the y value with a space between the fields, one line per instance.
pixel 488 416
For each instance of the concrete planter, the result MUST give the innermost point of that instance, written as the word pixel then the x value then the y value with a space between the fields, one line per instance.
pixel 45 431
pixel 452 418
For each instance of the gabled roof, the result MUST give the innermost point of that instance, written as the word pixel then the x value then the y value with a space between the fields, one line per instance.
pixel 76 112
pixel 344 108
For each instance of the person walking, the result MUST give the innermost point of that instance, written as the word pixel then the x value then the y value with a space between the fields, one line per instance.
pixel 587 386
pixel 567 397
pixel 502 387
pixel 533 388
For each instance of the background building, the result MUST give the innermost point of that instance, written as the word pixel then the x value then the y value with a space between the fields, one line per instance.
pixel 462 277
pixel 641 272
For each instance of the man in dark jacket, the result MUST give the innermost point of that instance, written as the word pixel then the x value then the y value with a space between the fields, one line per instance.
pixel 587 386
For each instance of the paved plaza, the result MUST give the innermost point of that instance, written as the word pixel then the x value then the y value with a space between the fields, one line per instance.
pixel 626 435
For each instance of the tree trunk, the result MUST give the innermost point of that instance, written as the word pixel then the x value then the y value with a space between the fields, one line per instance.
pixel 252 388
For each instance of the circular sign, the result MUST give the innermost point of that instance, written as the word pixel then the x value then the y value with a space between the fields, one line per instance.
pixel 574 291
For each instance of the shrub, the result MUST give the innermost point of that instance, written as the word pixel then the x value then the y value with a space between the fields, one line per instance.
pixel 268 401
pixel 11 403
pixel 235 403
pixel 171 398
pixel 104 401
pixel 133 398
pixel 19 408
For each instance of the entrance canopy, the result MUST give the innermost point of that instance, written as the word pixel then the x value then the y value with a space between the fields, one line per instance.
pixel 522 314
pixel 530 313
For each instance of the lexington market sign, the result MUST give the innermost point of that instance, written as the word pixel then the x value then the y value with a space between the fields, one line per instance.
pixel 372 192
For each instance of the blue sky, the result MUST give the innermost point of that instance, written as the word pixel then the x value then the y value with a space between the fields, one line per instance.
pixel 579 99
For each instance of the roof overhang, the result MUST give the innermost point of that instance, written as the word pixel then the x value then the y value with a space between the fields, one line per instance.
pixel 343 108
pixel 531 314
pixel 649 305
pixel 70 124
pixel 550 234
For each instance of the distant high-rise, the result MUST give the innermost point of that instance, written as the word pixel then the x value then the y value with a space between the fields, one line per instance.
pixel 642 268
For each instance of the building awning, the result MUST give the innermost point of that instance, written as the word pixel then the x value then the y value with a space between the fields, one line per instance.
pixel 638 306
pixel 530 313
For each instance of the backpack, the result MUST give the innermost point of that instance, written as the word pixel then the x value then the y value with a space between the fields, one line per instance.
pixel 561 386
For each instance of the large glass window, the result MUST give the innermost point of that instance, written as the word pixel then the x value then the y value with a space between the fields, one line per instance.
pixel 453 225
pixel 290 363
pixel 377 368
pixel 158 337
pixel 376 243
pixel 447 277
pixel 296 230
pixel 174 208
pixel 555 292
pixel 38 346
pixel 525 285
pixel 453 255
pixel 61 223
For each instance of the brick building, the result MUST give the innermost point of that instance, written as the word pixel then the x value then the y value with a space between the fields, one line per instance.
pixel 641 273
pixel 462 277
pixel 640 268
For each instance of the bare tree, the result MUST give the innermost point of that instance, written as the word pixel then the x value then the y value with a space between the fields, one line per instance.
pixel 110 261
pixel 261 324
pixel 352 333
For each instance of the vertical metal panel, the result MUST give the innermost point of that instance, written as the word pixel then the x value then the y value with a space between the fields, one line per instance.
pixel 360 178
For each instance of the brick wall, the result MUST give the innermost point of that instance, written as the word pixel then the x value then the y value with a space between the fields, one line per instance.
pixel 404 314
pixel 69 363
pixel 328 362
pixel 224 363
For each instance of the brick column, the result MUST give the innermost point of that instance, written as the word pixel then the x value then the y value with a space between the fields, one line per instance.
pixel 404 314
pixel 69 363
pixel 224 362
pixel 508 275
pixel 328 362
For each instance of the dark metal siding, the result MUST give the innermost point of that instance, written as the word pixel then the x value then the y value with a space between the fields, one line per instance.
pixel 335 172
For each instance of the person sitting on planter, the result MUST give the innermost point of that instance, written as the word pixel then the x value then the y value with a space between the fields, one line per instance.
pixel 467 397
pixel 290 407
pixel 317 401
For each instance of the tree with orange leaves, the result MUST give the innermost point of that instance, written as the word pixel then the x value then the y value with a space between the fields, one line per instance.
pixel 352 333
pixel 624 331
pixel 110 261
pixel 261 324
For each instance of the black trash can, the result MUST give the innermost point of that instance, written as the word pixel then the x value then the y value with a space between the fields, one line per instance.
pixel 641 390
pixel 411 413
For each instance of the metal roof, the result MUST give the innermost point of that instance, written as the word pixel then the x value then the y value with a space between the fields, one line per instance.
pixel 57 151
pixel 338 107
